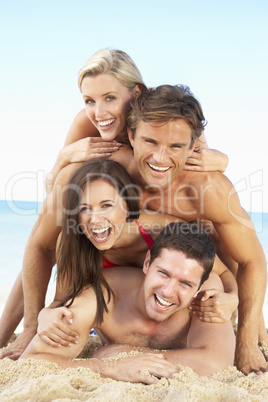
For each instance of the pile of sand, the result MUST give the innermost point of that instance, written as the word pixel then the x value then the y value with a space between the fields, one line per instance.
pixel 38 380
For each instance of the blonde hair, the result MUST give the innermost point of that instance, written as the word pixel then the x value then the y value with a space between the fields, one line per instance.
pixel 114 62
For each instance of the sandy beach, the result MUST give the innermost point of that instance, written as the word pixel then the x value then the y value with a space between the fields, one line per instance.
pixel 38 380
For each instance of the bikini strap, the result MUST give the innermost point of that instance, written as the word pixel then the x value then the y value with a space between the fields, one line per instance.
pixel 148 239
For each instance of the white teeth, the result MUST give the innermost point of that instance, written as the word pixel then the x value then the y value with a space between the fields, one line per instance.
pixel 163 302
pixel 159 168
pixel 99 230
pixel 106 122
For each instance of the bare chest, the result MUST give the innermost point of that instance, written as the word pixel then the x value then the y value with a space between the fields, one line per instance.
pixel 185 201
pixel 166 335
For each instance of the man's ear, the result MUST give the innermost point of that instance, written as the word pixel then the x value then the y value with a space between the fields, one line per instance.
pixel 191 150
pixel 137 91
pixel 195 144
pixel 146 262
pixel 130 137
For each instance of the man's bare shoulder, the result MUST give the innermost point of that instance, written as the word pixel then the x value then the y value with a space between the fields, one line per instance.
pixel 210 193
pixel 216 179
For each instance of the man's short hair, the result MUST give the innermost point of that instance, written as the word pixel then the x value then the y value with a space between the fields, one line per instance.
pixel 165 103
pixel 189 239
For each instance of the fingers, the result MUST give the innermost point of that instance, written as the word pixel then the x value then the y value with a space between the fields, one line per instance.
pixel 57 341
pixel 11 353
pixel 258 370
pixel 56 336
pixel 154 375
pixel 192 161
pixel 100 145
pixel 158 366
pixel 98 155
pixel 193 168
pixel 209 308
pixel 103 149
pixel 65 312
pixel 147 379
pixel 56 332
pixel 207 314
pixel 209 293
pixel 213 319
pixel 90 147
pixel 146 368
pixel 100 140
pixel 209 305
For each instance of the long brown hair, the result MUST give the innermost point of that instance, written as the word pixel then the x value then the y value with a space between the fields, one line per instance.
pixel 79 262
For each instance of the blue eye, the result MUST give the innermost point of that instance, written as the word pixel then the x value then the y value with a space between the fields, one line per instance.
pixel 89 101
pixel 110 98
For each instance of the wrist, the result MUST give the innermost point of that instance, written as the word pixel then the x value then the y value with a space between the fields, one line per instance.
pixel 30 320
pixel 225 162
pixel 62 159
pixel 246 336
pixel 105 368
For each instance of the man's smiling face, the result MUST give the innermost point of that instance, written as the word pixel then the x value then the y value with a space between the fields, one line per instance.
pixel 161 150
pixel 171 282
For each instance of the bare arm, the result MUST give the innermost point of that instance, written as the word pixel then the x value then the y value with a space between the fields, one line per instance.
pixel 83 142
pixel 213 305
pixel 238 236
pixel 39 258
pixel 204 159
pixel 127 369
pixel 210 346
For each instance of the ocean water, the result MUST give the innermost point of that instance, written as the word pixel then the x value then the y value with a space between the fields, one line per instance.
pixel 16 221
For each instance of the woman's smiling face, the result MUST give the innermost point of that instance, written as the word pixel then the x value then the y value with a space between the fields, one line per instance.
pixel 102 214
pixel 107 105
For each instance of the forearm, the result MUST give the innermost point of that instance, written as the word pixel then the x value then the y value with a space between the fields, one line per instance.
pixel 61 161
pixel 251 291
pixel 12 313
pixel 229 283
pixel 202 361
pixel 65 362
pixel 37 266
pixel 141 368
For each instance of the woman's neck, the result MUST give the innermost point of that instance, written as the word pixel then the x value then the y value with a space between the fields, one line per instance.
pixel 122 138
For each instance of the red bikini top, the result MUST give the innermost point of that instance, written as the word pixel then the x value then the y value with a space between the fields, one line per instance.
pixel 149 241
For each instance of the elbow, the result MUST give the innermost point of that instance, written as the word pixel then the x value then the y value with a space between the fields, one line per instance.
pixel 225 162
pixel 49 182
pixel 216 363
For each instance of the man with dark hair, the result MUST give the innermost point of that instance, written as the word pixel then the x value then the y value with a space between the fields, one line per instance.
pixel 149 310
pixel 162 128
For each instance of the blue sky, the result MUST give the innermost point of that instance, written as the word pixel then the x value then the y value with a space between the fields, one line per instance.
pixel 217 48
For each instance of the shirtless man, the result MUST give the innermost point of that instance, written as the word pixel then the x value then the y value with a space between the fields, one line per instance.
pixel 163 127
pixel 149 310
